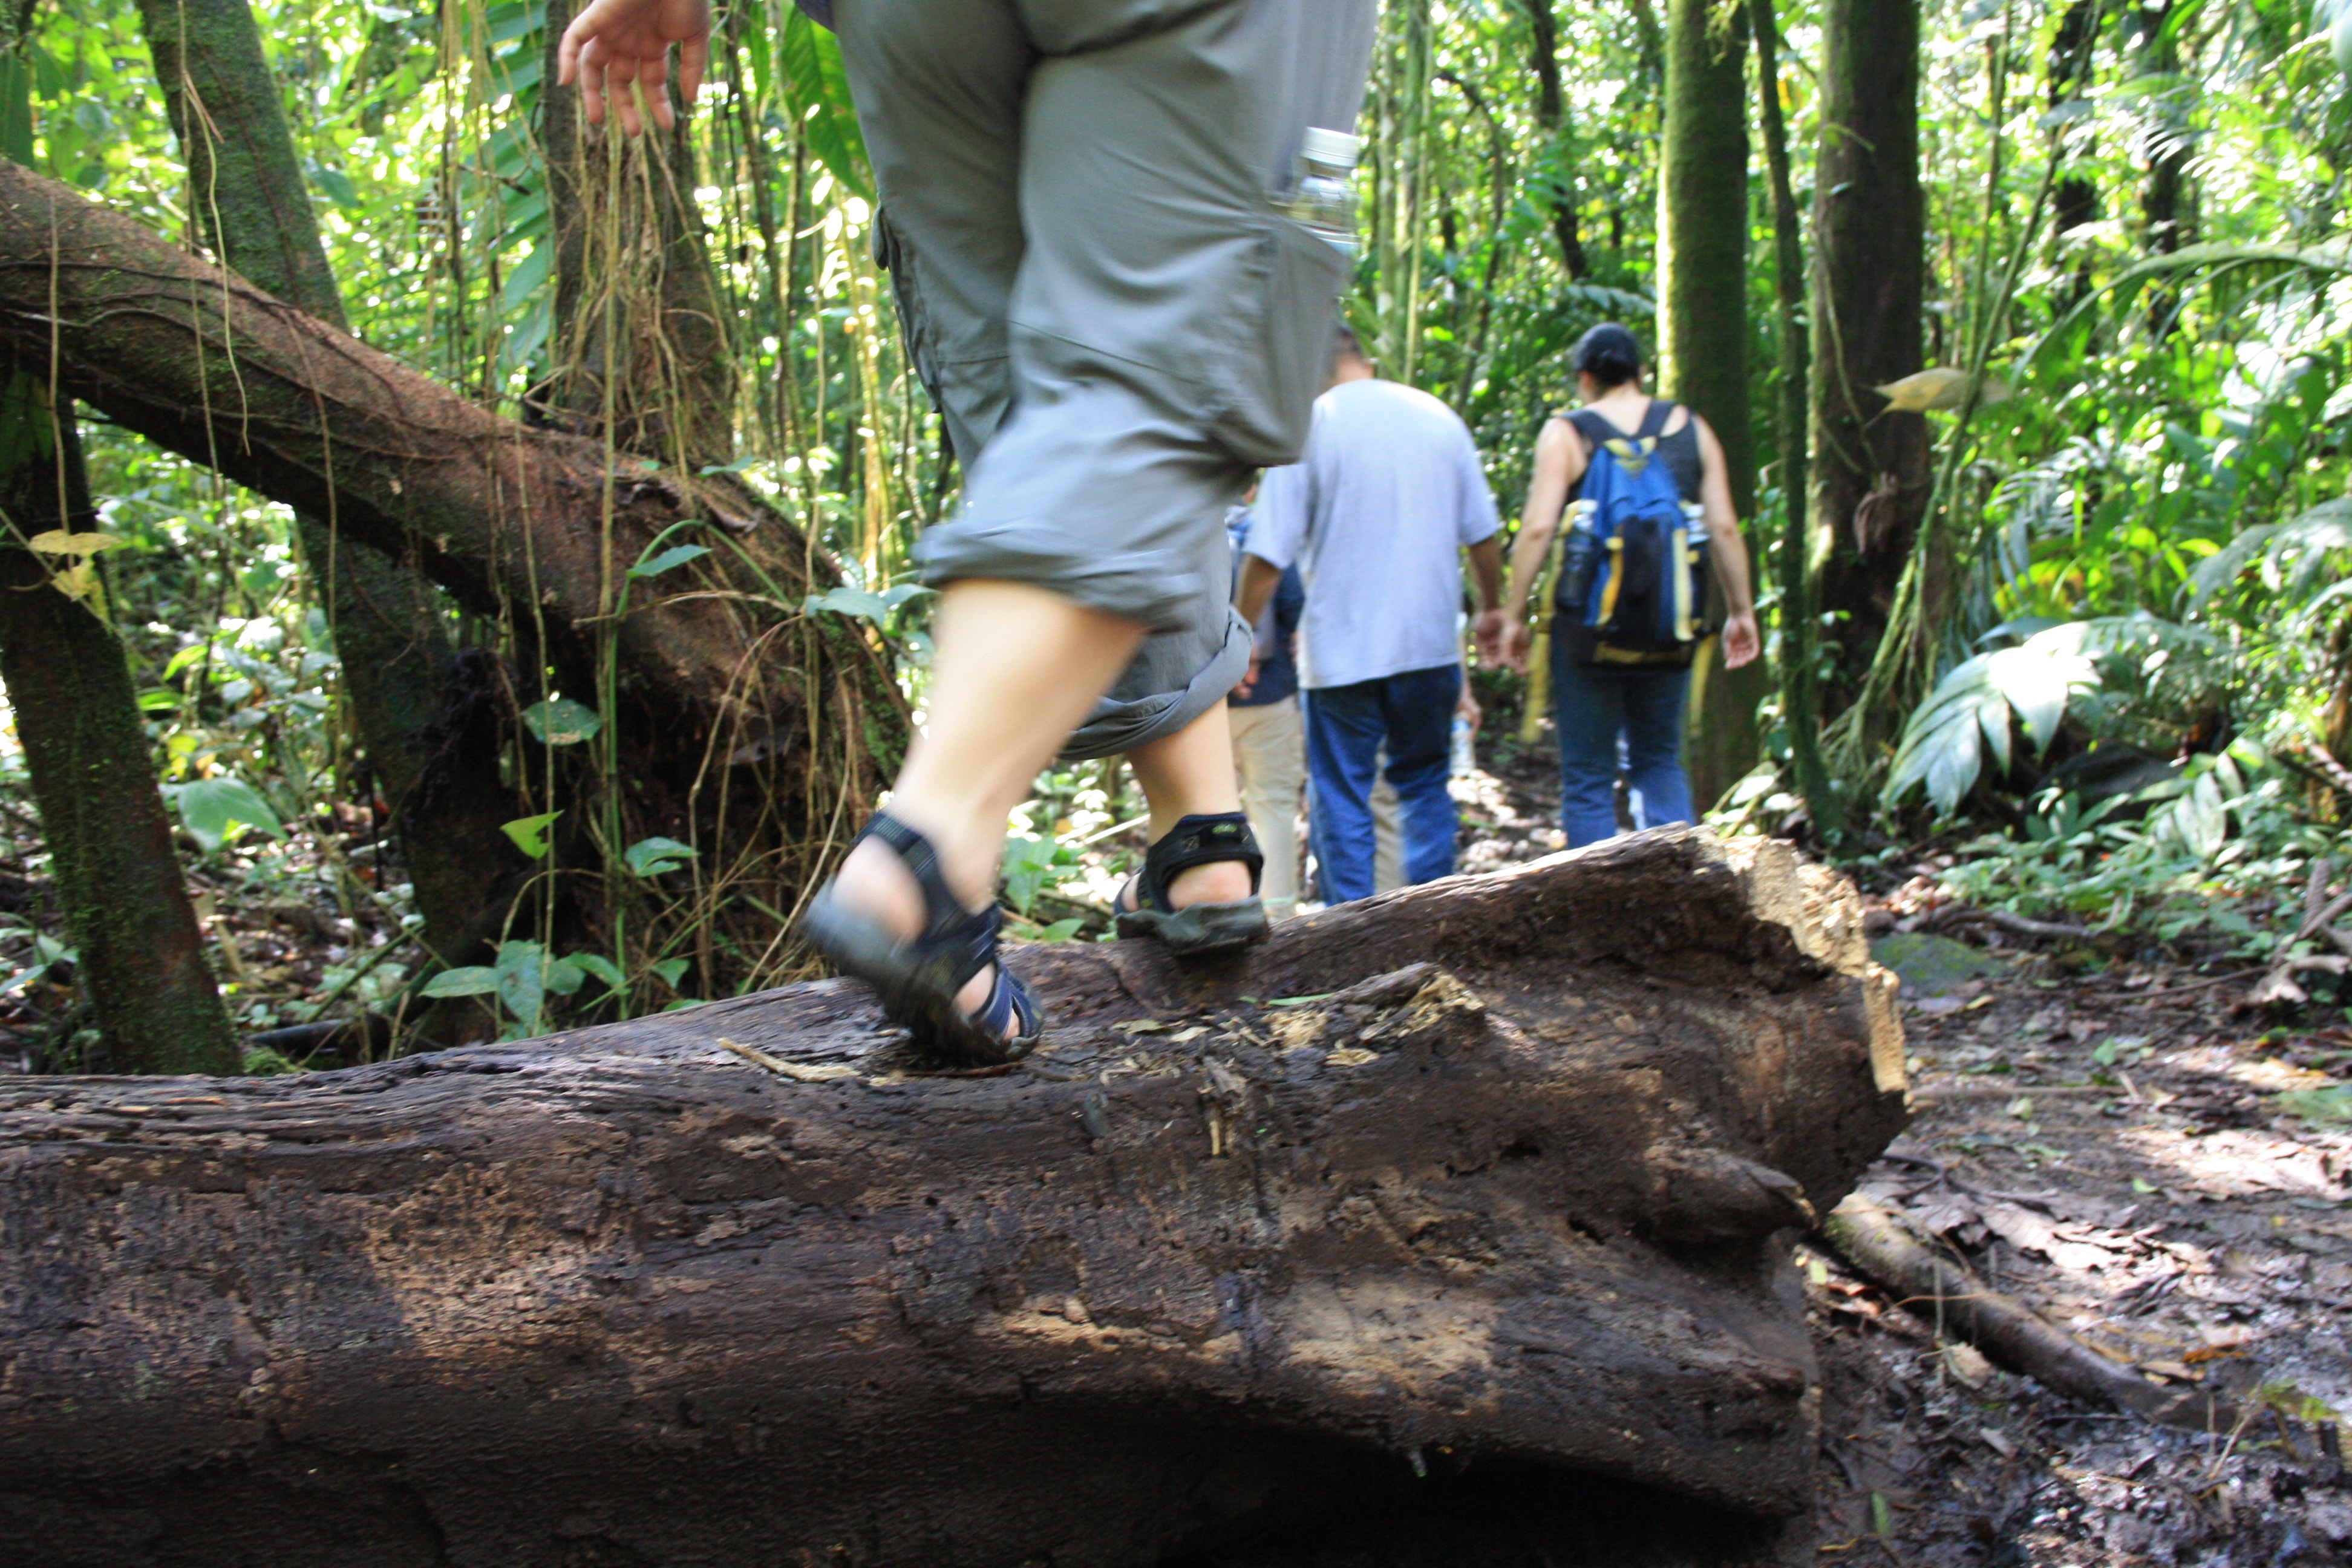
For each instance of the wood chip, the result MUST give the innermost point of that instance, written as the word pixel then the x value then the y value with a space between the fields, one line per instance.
pixel 1350 1057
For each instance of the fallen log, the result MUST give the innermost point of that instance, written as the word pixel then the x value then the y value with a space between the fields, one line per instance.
pixel 1499 1172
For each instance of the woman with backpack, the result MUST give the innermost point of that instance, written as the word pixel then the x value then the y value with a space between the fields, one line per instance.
pixel 1652 516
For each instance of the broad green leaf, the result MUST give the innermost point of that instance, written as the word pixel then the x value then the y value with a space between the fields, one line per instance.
pixel 671 971
pixel 521 971
pixel 603 968
pixel 669 559
pixel 817 86
pixel 848 601
pixel 655 857
pixel 561 721
pixel 565 976
pixel 529 833
pixel 478 981
pixel 215 810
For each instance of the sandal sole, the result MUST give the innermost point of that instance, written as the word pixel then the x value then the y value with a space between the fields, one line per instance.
pixel 912 997
pixel 1201 930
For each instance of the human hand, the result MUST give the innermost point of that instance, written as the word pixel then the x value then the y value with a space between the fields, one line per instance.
pixel 1516 641
pixel 1490 631
pixel 1740 642
pixel 1249 682
pixel 1468 708
pixel 615 42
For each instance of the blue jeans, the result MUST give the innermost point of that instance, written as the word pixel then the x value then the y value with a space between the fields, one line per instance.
pixel 1597 707
pixel 1412 713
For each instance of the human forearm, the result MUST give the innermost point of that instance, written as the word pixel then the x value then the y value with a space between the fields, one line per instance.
pixel 1487 567
pixel 1260 577
pixel 1731 570
pixel 1526 561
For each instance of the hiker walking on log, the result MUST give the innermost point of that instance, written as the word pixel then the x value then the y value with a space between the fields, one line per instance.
pixel 1652 514
pixel 1116 232
pixel 1377 515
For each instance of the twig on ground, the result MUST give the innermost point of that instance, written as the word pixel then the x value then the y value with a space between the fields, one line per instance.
pixel 2018 925
pixel 1878 1243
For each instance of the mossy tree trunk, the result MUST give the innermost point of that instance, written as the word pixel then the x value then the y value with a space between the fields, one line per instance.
pixel 1703 328
pixel 140 955
pixel 1800 692
pixel 433 747
pixel 1870 473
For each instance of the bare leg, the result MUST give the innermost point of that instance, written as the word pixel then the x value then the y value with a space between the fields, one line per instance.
pixel 1190 773
pixel 1017 667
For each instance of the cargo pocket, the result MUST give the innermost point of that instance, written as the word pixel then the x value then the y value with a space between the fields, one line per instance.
pixel 1281 353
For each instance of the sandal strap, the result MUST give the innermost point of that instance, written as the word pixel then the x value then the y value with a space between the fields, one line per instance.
pixel 948 926
pixel 1204 840
pixel 1010 1003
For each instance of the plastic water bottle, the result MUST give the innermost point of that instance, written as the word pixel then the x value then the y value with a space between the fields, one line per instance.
pixel 1465 748
pixel 1578 559
pixel 1324 201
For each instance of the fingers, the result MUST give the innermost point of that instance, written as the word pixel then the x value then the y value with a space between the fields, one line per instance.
pixel 623 78
pixel 592 80
pixel 693 58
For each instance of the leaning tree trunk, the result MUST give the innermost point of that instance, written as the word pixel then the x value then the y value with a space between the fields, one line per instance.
pixel 138 953
pixel 1543 55
pixel 412 695
pixel 757 731
pixel 1870 464
pixel 1509 1176
pixel 1801 699
pixel 1702 329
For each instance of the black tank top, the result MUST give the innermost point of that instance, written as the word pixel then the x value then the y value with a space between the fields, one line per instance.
pixel 1679 451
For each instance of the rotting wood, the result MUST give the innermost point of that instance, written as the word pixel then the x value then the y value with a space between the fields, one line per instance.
pixel 1519 1188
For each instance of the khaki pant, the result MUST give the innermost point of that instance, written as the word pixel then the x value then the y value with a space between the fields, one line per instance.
pixel 1099 288
pixel 1270 754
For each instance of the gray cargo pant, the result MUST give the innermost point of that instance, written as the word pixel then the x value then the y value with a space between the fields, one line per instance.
pixel 1118 325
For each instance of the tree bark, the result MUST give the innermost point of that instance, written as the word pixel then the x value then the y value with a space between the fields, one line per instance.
pixel 1703 330
pixel 1545 56
pixel 408 688
pixel 721 675
pixel 1870 464
pixel 1801 702
pixel 140 955
pixel 1513 1181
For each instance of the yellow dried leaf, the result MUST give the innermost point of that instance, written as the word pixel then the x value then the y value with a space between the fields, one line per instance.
pixel 79 583
pixel 1350 1057
pixel 58 542
pixel 1942 390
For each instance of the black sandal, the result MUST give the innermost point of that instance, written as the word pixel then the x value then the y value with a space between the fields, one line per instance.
pixel 1200 930
pixel 918 979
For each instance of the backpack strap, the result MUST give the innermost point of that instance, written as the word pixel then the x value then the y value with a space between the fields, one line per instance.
pixel 1633 453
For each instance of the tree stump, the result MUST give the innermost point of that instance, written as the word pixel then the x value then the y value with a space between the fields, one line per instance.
pixel 1499 1172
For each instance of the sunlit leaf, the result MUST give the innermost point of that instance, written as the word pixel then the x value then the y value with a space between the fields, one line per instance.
pixel 474 981
pixel 669 560
pixel 58 542
pixel 217 810
pixel 529 833
pixel 561 721
pixel 655 856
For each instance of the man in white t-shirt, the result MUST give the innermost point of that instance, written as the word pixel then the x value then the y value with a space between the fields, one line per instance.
pixel 1376 517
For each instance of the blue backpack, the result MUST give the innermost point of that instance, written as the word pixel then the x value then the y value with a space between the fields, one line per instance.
pixel 1633 580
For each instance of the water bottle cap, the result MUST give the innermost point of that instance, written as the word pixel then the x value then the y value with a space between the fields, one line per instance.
pixel 1336 148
